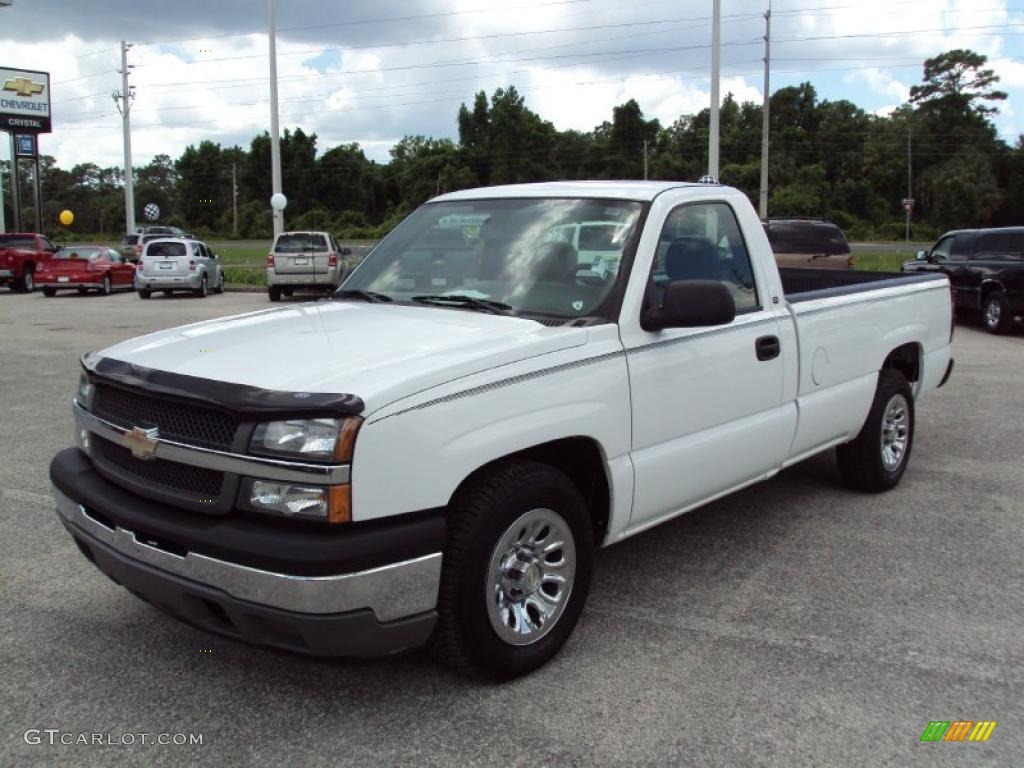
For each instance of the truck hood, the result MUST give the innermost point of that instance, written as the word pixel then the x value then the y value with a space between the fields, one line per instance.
pixel 378 352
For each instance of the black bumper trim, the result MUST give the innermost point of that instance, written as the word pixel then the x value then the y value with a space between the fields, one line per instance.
pixel 296 548
pixel 947 374
pixel 352 634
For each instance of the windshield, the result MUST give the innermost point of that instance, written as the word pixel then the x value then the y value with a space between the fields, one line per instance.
pixel 516 252
pixel 165 249
pixel 300 243
pixel 78 253
pixel 13 241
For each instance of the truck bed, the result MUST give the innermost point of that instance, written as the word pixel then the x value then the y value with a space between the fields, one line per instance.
pixel 801 284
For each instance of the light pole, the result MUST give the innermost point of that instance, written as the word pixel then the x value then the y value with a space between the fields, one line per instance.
pixel 765 114
pixel 123 99
pixel 716 34
pixel 275 130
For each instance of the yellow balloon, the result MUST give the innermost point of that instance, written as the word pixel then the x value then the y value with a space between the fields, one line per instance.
pixel 66 218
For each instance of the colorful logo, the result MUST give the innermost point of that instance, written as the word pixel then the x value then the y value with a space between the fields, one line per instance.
pixel 958 730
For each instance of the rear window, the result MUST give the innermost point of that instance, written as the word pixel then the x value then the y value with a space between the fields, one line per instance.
pixel 806 237
pixel 78 253
pixel 165 250
pixel 131 239
pixel 11 241
pixel 300 243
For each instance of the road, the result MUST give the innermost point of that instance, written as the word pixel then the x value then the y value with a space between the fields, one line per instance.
pixel 792 624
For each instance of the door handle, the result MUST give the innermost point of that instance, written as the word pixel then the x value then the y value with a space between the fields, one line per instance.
pixel 768 347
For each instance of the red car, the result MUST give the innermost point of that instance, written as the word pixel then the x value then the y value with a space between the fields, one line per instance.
pixel 86 267
pixel 21 255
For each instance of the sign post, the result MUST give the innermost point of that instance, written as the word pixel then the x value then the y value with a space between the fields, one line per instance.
pixel 908 206
pixel 25 113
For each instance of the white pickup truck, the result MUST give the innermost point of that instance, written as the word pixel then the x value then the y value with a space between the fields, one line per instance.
pixel 436 452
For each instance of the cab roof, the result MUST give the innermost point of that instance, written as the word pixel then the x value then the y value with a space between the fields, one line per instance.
pixel 644 191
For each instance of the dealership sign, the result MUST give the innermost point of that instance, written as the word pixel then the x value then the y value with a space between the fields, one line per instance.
pixel 24 101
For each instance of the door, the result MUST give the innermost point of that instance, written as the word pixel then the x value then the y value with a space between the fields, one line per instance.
pixel 707 403
pixel 950 257
pixel 121 271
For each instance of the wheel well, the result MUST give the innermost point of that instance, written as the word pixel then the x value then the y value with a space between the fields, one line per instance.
pixel 30 266
pixel 907 360
pixel 581 459
pixel 988 288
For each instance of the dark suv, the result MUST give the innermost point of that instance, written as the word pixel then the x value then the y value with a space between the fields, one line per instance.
pixel 808 243
pixel 986 270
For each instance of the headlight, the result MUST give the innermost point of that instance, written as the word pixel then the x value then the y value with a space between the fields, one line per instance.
pixel 311 502
pixel 86 390
pixel 321 439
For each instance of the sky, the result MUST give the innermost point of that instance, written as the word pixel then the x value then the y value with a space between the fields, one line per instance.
pixel 372 72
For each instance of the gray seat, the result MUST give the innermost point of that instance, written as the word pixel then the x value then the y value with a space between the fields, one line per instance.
pixel 692 258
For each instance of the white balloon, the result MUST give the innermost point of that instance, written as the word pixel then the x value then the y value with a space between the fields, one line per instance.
pixel 152 211
pixel 278 201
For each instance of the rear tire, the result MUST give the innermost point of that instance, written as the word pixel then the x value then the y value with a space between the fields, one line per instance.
pixel 26 283
pixel 145 293
pixel 49 292
pixel 201 291
pixel 995 314
pixel 508 600
pixel 876 459
pixel 274 293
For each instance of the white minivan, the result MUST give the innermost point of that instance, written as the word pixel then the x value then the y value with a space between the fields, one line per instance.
pixel 304 261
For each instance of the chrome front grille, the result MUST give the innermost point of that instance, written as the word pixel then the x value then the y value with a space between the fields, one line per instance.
pixel 204 484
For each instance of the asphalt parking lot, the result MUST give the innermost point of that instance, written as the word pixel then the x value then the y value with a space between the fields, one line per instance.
pixel 794 623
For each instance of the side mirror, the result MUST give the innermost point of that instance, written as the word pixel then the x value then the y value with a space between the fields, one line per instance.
pixel 346 251
pixel 691 304
pixel 216 255
pixel 921 255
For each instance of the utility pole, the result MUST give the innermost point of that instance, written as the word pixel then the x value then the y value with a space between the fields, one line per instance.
pixel 716 39
pixel 123 99
pixel 275 128
pixel 909 206
pixel 645 159
pixel 765 133
pixel 234 199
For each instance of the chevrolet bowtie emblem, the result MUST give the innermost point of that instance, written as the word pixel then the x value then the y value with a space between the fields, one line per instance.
pixel 23 86
pixel 141 442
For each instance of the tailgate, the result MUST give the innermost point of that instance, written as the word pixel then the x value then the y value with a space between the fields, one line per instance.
pixel 300 263
pixel 172 266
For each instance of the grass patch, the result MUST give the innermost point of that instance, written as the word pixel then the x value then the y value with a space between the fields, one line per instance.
pixel 883 261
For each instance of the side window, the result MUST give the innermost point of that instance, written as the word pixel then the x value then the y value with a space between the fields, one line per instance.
pixel 942 248
pixel 197 250
pixel 47 245
pixel 703 241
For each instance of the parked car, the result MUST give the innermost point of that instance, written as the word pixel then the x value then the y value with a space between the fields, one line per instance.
pixel 304 261
pixel 86 267
pixel 808 243
pixel 131 246
pixel 356 476
pixel 178 264
pixel 21 253
pixel 986 270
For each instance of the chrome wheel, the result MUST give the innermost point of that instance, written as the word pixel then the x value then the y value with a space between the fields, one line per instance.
pixel 993 313
pixel 530 577
pixel 895 431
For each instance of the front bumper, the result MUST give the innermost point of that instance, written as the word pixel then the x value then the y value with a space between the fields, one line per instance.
pixel 158 554
pixel 168 282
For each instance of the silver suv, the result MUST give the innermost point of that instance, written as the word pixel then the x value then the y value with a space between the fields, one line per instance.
pixel 178 264
pixel 304 261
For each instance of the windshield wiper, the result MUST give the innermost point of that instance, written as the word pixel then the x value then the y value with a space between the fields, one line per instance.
pixel 354 293
pixel 469 302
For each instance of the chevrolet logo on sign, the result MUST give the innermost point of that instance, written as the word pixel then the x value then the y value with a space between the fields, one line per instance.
pixel 23 86
pixel 141 442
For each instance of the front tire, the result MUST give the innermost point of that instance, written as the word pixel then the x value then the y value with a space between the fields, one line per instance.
pixel 516 570
pixel 220 284
pixel 876 459
pixel 995 314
